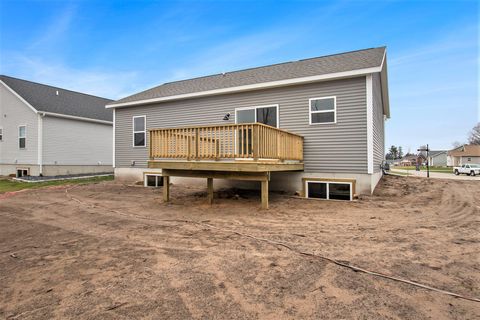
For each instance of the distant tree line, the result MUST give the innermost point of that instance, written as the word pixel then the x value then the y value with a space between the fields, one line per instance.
pixel 394 153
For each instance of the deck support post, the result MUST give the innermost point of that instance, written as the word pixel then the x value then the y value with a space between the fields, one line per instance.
pixel 166 188
pixel 265 194
pixel 210 190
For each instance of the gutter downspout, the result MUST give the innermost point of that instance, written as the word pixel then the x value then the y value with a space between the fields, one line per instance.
pixel 40 142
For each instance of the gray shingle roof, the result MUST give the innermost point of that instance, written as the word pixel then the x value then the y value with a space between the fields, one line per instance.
pixel 44 98
pixel 434 153
pixel 348 61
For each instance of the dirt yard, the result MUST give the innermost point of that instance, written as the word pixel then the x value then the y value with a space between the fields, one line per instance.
pixel 108 251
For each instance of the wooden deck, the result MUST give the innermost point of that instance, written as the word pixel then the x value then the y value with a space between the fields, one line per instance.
pixel 234 151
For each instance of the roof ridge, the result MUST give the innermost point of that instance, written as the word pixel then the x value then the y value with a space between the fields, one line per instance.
pixel 47 85
pixel 270 65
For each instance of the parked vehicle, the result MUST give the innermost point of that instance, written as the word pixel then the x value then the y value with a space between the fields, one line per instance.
pixel 385 166
pixel 468 169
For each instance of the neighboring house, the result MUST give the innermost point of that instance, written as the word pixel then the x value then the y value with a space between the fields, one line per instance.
pixel 46 130
pixel 465 154
pixel 322 125
pixel 437 158
pixel 393 162
pixel 408 161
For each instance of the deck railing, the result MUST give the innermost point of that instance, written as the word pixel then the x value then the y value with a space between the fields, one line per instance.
pixel 252 140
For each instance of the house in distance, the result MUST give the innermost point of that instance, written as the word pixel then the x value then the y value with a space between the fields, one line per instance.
pixel 51 131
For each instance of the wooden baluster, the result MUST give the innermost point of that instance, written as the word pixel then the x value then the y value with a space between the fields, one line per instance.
pixel 197 141
pixel 247 131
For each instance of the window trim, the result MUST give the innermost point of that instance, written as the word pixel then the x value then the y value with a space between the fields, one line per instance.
pixel 327 181
pixel 310 112
pixel 157 175
pixel 25 137
pixel 144 131
pixel 277 106
pixel 22 169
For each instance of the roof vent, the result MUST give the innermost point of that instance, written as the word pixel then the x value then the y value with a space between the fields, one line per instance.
pixel 56 92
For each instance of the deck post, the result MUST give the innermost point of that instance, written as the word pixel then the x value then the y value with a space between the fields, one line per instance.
pixel 166 188
pixel 265 194
pixel 210 190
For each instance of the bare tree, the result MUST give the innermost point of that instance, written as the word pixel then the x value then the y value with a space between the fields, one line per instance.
pixel 456 144
pixel 474 137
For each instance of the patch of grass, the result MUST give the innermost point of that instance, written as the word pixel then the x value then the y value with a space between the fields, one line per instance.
pixel 399 173
pixel 8 185
pixel 424 168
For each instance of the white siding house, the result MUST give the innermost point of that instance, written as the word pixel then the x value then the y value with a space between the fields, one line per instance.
pixel 52 131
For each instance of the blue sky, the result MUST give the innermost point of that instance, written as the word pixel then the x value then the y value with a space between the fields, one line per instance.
pixel 116 48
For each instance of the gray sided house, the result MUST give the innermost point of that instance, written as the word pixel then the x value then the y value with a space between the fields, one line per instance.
pixel 327 115
pixel 48 131
pixel 438 158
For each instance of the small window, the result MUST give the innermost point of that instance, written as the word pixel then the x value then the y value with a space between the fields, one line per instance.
pixel 153 180
pixel 22 137
pixel 1 134
pixel 328 190
pixel 323 110
pixel 21 172
pixel 139 131
pixel 468 159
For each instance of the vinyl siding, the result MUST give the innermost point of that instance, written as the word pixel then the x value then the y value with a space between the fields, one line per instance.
pixel 439 160
pixel 378 124
pixel 14 113
pixel 73 142
pixel 327 147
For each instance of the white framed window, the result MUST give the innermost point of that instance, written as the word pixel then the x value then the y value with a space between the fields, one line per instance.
pixel 23 172
pixel 1 134
pixel 152 180
pixel 263 114
pixel 328 190
pixel 22 137
pixel 139 125
pixel 323 110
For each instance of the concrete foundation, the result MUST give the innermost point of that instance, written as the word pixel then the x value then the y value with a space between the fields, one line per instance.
pixel 279 181
pixel 52 170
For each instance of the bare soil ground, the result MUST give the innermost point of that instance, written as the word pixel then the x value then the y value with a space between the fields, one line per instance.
pixel 109 251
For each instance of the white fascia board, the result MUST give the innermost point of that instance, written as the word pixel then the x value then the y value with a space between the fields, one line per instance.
pixel 59 115
pixel 113 140
pixel 257 86
pixel 19 97
pixel 369 87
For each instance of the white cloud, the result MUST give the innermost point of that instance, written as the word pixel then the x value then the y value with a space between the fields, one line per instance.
pixel 104 83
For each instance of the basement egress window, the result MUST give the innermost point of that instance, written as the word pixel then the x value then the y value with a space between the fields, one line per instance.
pixel 153 180
pixel 328 190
